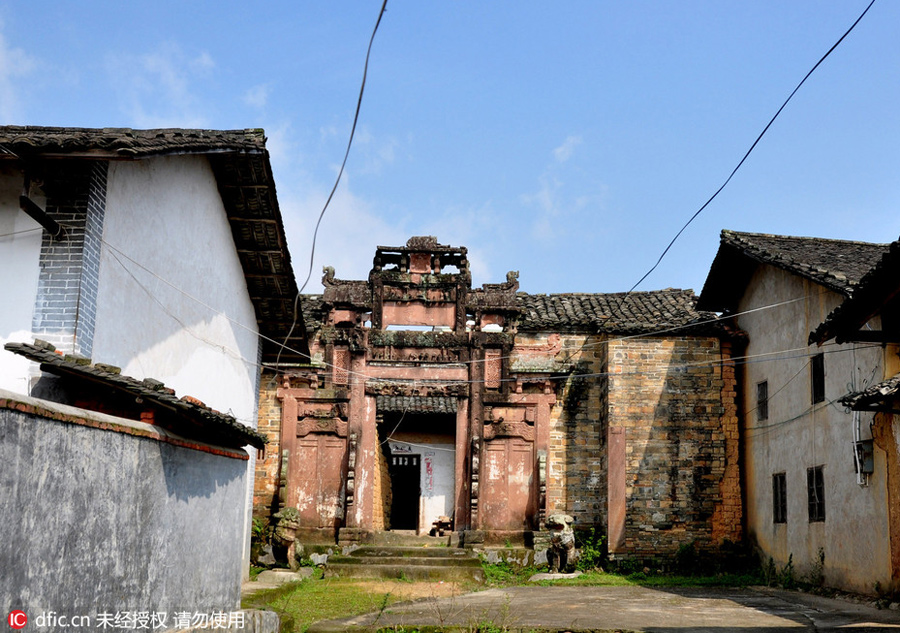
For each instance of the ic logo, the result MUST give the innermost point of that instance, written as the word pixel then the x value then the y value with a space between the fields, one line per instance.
pixel 17 619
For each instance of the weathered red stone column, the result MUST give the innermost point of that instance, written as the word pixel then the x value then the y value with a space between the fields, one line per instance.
pixel 616 488
pixel 363 444
pixel 461 505
pixel 476 428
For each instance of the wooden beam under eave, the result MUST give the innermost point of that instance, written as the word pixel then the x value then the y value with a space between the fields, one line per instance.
pixel 251 219
pixel 874 408
pixel 866 336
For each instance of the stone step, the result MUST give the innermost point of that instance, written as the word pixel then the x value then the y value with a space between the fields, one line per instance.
pixel 414 563
pixel 419 552
pixel 417 561
pixel 408 538
pixel 406 571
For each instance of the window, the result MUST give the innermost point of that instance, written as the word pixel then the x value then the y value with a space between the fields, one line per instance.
pixel 817 367
pixel 779 498
pixel 762 400
pixel 815 491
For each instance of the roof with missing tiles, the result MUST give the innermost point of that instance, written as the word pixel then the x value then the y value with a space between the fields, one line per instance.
pixel 126 142
pixel 879 396
pixel 240 162
pixel 877 288
pixel 834 264
pixel 200 422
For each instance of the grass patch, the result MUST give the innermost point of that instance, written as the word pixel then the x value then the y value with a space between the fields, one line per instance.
pixel 503 574
pixel 302 603
pixel 256 571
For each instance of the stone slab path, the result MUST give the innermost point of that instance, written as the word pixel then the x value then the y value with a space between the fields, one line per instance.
pixel 650 610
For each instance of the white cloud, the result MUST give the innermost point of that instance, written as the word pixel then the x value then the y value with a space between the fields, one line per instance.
pixel 15 65
pixel 157 89
pixel 202 63
pixel 282 148
pixel 547 202
pixel 257 96
pixel 564 151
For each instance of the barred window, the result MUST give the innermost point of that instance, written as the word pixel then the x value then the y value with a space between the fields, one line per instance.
pixel 762 400
pixel 779 498
pixel 815 490
pixel 817 372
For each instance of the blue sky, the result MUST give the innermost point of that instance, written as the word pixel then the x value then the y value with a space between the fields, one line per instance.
pixel 569 141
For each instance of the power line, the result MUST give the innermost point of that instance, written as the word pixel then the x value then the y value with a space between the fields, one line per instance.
pixel 312 253
pixel 363 376
pixel 752 147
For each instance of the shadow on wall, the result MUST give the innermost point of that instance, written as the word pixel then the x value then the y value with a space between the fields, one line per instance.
pixel 673 412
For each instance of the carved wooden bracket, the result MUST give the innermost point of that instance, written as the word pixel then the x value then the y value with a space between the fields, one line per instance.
pixel 324 410
pixel 476 466
pixel 542 483
pixel 321 426
pixel 351 474
pixel 509 429
pixel 378 388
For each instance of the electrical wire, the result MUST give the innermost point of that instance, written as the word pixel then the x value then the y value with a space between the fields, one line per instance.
pixel 312 253
pixel 739 360
pixel 752 147
pixel 23 232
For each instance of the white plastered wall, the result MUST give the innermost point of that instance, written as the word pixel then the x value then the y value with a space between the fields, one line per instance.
pixel 437 474
pixel 798 435
pixel 20 250
pixel 173 303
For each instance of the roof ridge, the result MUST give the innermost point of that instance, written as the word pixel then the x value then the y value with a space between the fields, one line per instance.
pixel 607 294
pixel 124 130
pixel 739 234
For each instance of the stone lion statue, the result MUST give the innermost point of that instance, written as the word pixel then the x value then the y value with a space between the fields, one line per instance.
pixel 562 541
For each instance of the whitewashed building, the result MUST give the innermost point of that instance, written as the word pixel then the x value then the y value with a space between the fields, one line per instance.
pixel 155 263
pixel 816 495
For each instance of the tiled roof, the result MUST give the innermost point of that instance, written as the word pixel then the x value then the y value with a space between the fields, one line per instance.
pixel 620 313
pixel 243 173
pixel 202 422
pixel 876 288
pixel 875 397
pixel 834 264
pixel 417 404
pixel 126 142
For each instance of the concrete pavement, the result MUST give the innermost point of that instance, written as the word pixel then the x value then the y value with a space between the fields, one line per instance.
pixel 650 610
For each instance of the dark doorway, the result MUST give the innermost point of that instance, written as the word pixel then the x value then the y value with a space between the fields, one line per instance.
pixel 405 473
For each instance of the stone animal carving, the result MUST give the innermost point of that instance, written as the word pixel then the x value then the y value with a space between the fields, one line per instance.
pixel 562 541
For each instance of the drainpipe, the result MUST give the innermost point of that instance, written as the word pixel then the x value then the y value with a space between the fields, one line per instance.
pixel 40 216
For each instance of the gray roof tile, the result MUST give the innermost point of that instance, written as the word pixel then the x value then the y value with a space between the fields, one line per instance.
pixel 124 142
pixel 834 264
pixel 878 395
pixel 878 286
pixel 219 428
pixel 620 313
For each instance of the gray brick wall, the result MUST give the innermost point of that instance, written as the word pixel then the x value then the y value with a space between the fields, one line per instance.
pixel 66 305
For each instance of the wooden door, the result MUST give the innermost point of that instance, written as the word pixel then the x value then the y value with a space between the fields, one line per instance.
pixel 317 466
pixel 508 498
